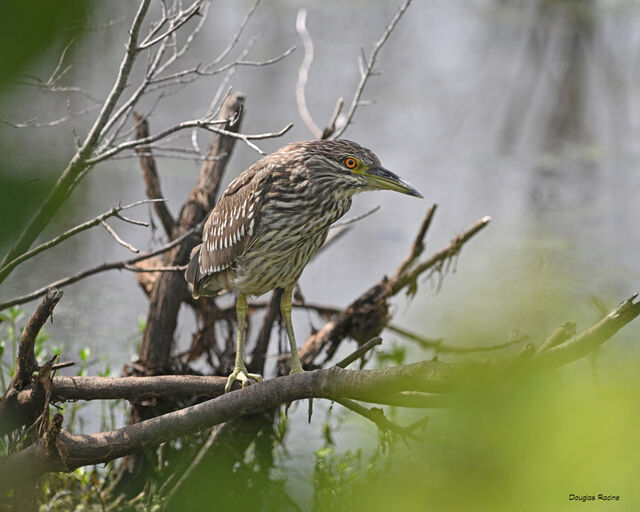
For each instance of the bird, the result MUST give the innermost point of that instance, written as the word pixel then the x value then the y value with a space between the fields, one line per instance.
pixel 272 219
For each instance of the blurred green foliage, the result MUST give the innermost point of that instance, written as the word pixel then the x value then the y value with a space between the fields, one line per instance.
pixel 27 30
pixel 526 447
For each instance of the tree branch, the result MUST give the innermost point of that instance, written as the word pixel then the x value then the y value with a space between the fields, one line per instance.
pixel 368 314
pixel 26 363
pixel 150 173
pixel 368 66
pixel 60 450
pixel 73 231
pixel 116 265
pixel 79 162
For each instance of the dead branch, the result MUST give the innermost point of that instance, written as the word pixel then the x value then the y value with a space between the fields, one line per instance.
pixel 368 314
pixel 560 335
pixel 150 173
pixel 417 248
pixel 272 314
pixel 439 346
pixel 376 416
pixel 408 278
pixel 431 376
pixel 116 265
pixel 195 123
pixel 171 287
pixel 26 363
pixel 366 70
pixel 303 74
pixel 73 231
pixel 580 345
pixel 412 385
pixel 23 402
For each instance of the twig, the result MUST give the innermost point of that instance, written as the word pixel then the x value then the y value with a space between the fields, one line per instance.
pixel 367 69
pixel 204 450
pixel 376 415
pixel 303 74
pixel 181 18
pixel 73 231
pixel 199 123
pixel 117 238
pixel 59 366
pixel 32 123
pixel 236 36
pixel 414 400
pixel 355 219
pixel 563 333
pixel 409 277
pixel 372 343
pixel 186 76
pixel 116 265
pixel 439 346
pixel 590 339
pixel 334 236
pixel 331 126
pixel 78 165
pixel 170 268
pixel 418 244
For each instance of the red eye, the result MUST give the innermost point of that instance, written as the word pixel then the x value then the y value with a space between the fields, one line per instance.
pixel 350 163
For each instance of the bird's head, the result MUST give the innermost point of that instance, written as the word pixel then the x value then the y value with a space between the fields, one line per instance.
pixel 351 165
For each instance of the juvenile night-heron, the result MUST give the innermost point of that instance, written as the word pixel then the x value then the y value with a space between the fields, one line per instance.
pixel 273 218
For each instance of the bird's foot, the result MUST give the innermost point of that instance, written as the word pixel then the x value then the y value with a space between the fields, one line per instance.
pixel 241 374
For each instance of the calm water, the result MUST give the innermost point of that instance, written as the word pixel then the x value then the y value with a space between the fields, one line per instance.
pixel 502 108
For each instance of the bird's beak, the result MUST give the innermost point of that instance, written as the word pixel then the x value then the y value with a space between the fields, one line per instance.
pixel 381 178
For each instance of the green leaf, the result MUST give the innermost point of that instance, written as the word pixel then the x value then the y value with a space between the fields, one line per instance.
pixel 84 353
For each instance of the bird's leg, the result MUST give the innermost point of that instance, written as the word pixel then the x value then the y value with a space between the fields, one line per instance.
pixel 239 369
pixel 285 309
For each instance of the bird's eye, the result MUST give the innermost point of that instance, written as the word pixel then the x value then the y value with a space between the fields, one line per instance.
pixel 350 162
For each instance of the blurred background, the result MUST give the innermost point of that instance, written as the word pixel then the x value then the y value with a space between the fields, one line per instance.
pixel 527 111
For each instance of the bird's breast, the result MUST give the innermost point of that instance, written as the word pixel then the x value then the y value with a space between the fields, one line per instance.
pixel 290 233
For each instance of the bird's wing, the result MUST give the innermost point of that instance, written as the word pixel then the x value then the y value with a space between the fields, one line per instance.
pixel 233 222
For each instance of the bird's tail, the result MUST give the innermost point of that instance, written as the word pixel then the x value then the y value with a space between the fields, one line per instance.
pixel 192 274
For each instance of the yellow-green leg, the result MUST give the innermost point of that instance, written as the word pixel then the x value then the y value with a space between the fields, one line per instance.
pixel 285 309
pixel 239 369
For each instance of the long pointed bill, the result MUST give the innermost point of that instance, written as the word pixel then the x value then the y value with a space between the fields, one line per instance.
pixel 381 178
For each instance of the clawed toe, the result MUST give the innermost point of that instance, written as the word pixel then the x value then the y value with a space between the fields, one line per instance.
pixel 241 374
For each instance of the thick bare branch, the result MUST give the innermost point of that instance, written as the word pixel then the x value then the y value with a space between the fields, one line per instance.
pixel 171 287
pixel 151 178
pixel 26 362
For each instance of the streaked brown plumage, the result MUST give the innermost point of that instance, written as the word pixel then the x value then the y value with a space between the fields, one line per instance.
pixel 272 219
